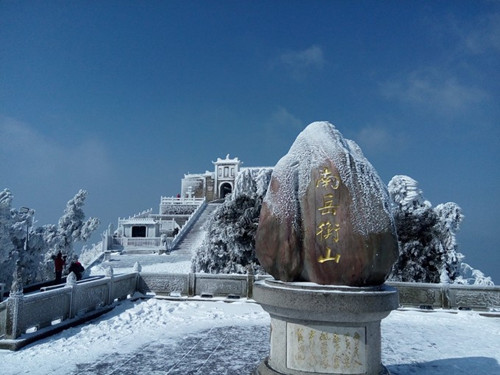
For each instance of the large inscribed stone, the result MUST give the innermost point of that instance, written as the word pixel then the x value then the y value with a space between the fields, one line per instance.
pixel 326 216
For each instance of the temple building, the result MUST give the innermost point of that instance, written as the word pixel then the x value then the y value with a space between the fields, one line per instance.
pixel 158 232
pixel 212 185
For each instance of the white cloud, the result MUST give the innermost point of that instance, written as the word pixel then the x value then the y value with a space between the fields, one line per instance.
pixel 280 130
pixel 484 36
pixel 435 91
pixel 299 63
pixel 310 57
pixel 379 139
pixel 283 118
pixel 35 159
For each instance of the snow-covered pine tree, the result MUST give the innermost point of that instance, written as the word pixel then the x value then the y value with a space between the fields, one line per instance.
pixel 15 226
pixel 31 257
pixel 427 238
pixel 7 248
pixel 421 256
pixel 449 218
pixel 35 261
pixel 229 246
pixel 420 252
pixel 72 226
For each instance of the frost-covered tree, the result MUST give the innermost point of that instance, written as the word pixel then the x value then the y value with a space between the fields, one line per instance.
pixel 427 237
pixel 72 226
pixel 8 252
pixel 448 224
pixel 32 248
pixel 471 276
pixel 18 242
pixel 229 246
pixel 421 253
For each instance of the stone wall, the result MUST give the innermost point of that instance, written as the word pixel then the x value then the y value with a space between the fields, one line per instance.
pixel 448 296
pixel 198 284
pixel 410 294
pixel 38 314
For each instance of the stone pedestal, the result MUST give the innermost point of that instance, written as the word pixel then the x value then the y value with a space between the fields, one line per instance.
pixel 324 329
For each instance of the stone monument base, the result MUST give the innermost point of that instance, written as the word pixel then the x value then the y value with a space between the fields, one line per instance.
pixel 324 329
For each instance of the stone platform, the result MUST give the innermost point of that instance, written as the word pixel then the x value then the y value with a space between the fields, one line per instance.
pixel 324 329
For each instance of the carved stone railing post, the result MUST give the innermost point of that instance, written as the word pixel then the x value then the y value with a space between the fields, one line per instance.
pixel 250 281
pixel 137 269
pixel 191 284
pixel 15 304
pixel 109 273
pixel 14 311
pixel 71 282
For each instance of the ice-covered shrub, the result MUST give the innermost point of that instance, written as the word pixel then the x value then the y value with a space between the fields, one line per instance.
pixel 427 238
pixel 31 247
pixel 229 246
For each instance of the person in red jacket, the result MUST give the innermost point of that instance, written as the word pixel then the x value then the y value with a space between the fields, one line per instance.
pixel 77 268
pixel 59 262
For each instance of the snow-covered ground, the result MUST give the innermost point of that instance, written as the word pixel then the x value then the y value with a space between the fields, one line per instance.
pixel 156 336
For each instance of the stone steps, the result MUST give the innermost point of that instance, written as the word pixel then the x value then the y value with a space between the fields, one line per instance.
pixel 196 233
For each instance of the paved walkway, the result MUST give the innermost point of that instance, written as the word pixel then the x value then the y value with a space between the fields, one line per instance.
pixel 218 351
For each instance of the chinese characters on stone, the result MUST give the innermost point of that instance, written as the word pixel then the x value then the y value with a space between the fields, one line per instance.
pixel 327 230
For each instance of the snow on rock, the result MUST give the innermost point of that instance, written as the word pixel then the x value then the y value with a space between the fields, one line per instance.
pixel 317 143
pixel 327 216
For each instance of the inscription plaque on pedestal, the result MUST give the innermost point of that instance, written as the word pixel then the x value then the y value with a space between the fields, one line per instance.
pixel 327 350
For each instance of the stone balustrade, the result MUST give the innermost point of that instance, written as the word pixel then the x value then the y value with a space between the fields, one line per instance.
pixel 198 284
pixel 175 201
pixel 25 318
pixel 140 242
pixel 448 296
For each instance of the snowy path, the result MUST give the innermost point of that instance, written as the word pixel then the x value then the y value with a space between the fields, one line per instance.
pixel 213 338
pixel 206 352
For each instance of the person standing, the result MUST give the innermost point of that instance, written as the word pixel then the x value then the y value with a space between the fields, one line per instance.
pixel 59 262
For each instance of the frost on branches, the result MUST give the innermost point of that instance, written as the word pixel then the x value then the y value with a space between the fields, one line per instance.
pixel 34 256
pixel 8 251
pixel 229 246
pixel 427 238
pixel 72 225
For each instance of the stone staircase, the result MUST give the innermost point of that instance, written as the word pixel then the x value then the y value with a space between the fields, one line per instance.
pixel 196 234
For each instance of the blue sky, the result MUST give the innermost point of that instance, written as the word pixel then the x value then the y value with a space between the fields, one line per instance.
pixel 122 98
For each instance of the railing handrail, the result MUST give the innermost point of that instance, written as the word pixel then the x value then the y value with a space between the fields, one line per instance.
pixel 188 224
pixel 181 200
pixel 21 313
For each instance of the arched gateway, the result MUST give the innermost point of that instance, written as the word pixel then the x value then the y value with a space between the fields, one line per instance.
pixel 225 189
